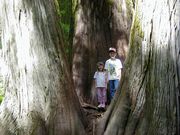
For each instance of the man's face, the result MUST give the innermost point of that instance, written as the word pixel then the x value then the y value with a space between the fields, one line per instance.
pixel 112 54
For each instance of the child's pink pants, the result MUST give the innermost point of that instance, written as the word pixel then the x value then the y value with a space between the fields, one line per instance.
pixel 101 94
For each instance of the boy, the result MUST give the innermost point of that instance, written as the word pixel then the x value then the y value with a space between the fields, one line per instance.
pixel 113 66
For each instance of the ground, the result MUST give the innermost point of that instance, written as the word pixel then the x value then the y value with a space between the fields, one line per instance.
pixel 93 114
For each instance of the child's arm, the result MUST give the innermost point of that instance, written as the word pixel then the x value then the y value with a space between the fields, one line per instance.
pixel 119 73
pixel 119 69
pixel 94 81
pixel 106 77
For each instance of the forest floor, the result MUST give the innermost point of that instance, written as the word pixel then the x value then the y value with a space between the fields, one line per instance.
pixel 93 114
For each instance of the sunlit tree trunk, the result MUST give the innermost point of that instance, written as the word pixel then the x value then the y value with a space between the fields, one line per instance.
pixel 147 104
pixel 39 95
pixel 98 25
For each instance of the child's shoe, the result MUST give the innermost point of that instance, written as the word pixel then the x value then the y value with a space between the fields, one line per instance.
pixel 103 105
pixel 100 105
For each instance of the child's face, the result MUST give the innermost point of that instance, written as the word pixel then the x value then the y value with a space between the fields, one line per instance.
pixel 112 54
pixel 101 67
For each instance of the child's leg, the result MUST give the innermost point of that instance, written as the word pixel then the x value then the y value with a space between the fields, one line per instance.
pixel 103 96
pixel 116 84
pixel 99 95
pixel 111 89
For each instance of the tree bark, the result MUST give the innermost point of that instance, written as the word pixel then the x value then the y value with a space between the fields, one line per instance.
pixel 39 96
pixel 147 102
pixel 39 92
pixel 98 26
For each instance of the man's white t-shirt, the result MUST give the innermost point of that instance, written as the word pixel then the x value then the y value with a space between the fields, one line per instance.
pixel 100 79
pixel 114 69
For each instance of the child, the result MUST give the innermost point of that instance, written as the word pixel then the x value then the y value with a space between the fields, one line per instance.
pixel 100 77
pixel 113 67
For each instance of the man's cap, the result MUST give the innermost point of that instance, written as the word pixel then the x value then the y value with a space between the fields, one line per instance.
pixel 112 49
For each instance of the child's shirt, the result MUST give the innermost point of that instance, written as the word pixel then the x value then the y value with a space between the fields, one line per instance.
pixel 100 79
pixel 114 69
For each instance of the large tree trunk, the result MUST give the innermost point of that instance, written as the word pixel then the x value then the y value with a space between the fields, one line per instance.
pixel 147 104
pixel 39 95
pixel 98 25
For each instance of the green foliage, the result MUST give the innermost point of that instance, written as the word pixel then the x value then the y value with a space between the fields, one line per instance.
pixel 1 90
pixel 110 2
pixel 66 28
pixel 65 13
